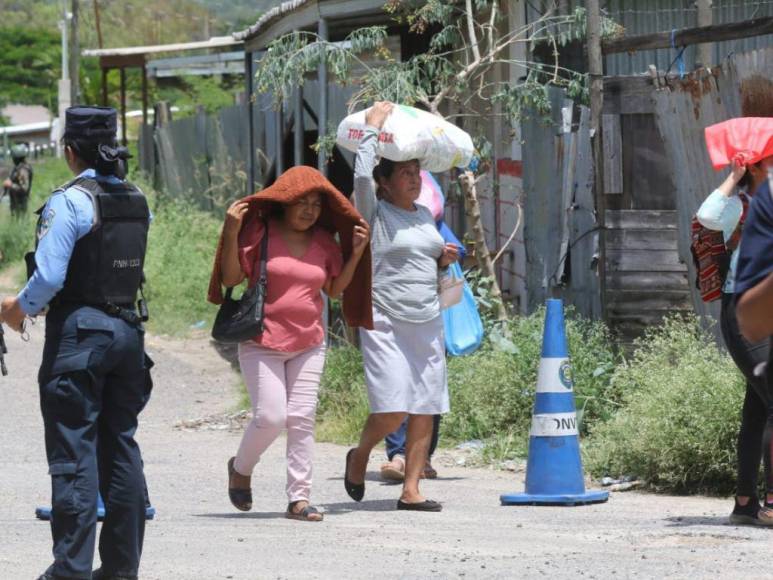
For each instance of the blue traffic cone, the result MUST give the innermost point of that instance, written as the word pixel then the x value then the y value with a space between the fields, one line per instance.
pixel 554 473
pixel 44 513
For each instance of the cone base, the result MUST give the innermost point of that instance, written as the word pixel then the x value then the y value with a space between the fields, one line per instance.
pixel 44 513
pixel 569 499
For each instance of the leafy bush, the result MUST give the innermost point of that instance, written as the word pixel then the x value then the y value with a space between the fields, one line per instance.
pixel 492 390
pixel 181 249
pixel 677 429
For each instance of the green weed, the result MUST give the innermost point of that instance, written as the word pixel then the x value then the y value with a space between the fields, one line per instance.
pixel 681 401
pixel 181 249
pixel 343 401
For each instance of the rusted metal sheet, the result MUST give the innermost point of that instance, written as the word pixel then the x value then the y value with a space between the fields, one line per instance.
pixel 543 162
pixel 584 289
pixel 683 110
pixel 559 227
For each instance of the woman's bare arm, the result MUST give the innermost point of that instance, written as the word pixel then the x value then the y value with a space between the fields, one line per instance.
pixel 231 273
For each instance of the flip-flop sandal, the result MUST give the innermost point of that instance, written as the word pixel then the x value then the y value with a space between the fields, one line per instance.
pixel 356 491
pixel 429 472
pixel 427 505
pixel 305 514
pixel 392 473
pixel 240 498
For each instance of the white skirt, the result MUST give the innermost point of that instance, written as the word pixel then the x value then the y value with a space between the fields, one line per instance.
pixel 405 366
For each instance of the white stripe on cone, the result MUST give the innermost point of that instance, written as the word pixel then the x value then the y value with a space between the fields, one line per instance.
pixel 553 425
pixel 555 376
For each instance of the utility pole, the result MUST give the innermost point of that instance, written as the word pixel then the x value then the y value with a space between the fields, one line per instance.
pixel 75 55
pixel 596 72
pixel 64 83
pixel 705 18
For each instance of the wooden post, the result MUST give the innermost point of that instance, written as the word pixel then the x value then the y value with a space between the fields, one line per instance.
pixel 596 72
pixel 97 22
pixel 705 18
pixel 249 90
pixel 105 72
pixel 279 158
pixel 162 114
pixel 144 95
pixel 298 135
pixel 689 36
pixel 322 31
pixel 123 106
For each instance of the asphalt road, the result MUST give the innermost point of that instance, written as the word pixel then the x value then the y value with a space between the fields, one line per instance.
pixel 198 535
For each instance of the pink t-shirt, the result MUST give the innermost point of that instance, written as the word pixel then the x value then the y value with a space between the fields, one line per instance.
pixel 293 310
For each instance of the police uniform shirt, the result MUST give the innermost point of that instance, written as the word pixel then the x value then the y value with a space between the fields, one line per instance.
pixel 755 261
pixel 66 218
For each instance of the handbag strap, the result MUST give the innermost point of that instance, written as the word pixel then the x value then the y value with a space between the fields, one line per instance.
pixel 263 277
pixel 264 256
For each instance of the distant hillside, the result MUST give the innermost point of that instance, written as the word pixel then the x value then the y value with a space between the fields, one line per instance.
pixel 235 15
pixel 136 22
pixel 30 40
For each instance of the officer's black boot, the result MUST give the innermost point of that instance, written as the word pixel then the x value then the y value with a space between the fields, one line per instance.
pixel 98 574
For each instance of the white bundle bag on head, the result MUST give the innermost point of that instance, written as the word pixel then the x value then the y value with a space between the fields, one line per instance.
pixel 410 133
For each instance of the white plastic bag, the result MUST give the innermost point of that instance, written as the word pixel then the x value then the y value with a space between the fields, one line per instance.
pixel 451 289
pixel 410 133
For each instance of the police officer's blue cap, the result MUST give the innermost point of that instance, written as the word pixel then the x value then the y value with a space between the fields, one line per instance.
pixel 91 123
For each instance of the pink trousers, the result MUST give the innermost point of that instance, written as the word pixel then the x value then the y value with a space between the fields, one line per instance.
pixel 283 390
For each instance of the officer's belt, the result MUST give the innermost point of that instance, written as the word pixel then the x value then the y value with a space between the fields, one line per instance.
pixel 125 314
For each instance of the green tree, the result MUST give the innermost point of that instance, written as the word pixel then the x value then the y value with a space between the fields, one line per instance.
pixel 30 64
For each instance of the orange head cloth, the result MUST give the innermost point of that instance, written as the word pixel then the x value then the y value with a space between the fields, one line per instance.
pixel 743 141
pixel 338 216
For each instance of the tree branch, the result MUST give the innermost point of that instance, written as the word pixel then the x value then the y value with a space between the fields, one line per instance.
pixel 471 30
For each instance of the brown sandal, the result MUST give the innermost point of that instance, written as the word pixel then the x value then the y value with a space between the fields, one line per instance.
pixel 305 515
pixel 240 498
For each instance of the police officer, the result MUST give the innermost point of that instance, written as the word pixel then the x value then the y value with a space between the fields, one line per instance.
pixel 94 378
pixel 19 182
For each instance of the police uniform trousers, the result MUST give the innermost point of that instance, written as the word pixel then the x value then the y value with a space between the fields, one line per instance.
pixel 94 381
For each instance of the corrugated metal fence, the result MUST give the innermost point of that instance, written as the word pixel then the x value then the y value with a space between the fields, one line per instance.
pixel 683 109
pixel 201 158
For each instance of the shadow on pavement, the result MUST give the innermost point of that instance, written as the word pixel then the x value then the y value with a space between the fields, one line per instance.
pixel 687 521
pixel 377 505
pixel 244 515
pixel 375 476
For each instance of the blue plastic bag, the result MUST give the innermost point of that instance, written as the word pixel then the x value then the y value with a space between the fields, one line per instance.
pixel 463 326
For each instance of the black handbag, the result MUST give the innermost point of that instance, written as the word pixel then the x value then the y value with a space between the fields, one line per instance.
pixel 241 320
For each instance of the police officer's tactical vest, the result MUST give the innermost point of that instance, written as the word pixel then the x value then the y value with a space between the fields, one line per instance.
pixel 106 264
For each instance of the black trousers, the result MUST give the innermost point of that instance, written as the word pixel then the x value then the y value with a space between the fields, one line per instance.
pixel 94 381
pixel 19 203
pixel 754 437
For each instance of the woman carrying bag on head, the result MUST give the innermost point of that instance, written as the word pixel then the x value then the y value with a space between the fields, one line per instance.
pixel 282 365
pixel 404 355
